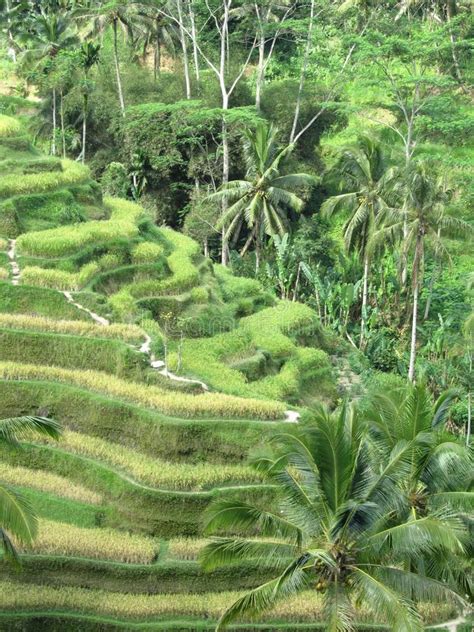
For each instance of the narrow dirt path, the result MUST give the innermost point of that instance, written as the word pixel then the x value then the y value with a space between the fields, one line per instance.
pixel 98 319
pixel 13 261
pixel 451 626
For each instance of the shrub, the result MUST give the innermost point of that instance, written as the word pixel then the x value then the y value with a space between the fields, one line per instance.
pixel 123 305
pixel 63 240
pixel 4 274
pixel 155 472
pixel 178 404
pixel 47 482
pixel 146 252
pixel 55 538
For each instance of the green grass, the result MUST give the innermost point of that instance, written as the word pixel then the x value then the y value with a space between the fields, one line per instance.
pixel 74 352
pixel 153 434
pixel 270 336
pixel 63 241
pixel 306 607
pixel 72 173
pixel 19 299
pixel 170 403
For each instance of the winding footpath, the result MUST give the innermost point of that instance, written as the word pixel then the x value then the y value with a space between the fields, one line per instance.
pixel 13 262
pixel 291 416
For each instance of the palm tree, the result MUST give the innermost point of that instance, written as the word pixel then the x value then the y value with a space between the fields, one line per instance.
pixel 50 33
pixel 89 58
pixel 17 516
pixel 422 218
pixel 265 197
pixel 335 529
pixel 440 473
pixel 363 172
pixel 158 32
pixel 118 15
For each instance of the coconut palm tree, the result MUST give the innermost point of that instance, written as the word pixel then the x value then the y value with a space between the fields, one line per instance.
pixel 264 199
pixel 440 475
pixel 118 15
pixel 421 219
pixel 17 517
pixel 335 529
pixel 49 33
pixel 158 32
pixel 363 171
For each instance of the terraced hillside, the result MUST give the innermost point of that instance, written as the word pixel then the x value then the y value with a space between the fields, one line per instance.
pixel 163 370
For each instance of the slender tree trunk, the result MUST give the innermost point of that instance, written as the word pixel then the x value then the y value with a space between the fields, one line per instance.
pixel 194 41
pixel 260 69
pixel 184 48
pixel 53 139
pixel 117 70
pixel 303 74
pixel 11 41
pixel 225 180
pixel 457 68
pixel 84 127
pixel 365 296
pixel 257 253
pixel 63 131
pixel 469 420
pixel 430 294
pixel 157 57
pixel 206 247
pixel 416 288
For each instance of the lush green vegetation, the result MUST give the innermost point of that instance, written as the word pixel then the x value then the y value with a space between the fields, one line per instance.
pixel 236 273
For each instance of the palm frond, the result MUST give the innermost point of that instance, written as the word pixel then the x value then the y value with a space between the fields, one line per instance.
pixel 17 515
pixel 225 551
pixel 16 428
pixel 228 514
pixel 292 580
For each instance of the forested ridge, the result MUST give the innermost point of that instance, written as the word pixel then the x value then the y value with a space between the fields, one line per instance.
pixel 236 317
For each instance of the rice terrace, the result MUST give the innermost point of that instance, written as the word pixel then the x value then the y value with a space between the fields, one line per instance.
pixel 236 315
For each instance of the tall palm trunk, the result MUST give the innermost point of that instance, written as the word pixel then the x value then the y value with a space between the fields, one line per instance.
pixel 63 131
pixel 157 56
pixel 416 289
pixel 365 297
pixel 84 126
pixel 225 180
pixel 184 47
pixel 194 41
pixel 53 139
pixel 260 70
pixel 303 74
pixel 117 70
